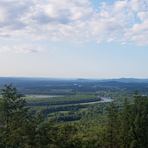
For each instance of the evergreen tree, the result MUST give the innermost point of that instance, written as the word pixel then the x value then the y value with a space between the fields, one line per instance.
pixel 139 127
pixel 113 125
pixel 13 117
pixel 125 125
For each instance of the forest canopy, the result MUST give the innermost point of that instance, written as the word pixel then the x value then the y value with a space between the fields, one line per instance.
pixel 123 126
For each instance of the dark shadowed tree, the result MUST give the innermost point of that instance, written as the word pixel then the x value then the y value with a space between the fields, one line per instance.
pixel 13 116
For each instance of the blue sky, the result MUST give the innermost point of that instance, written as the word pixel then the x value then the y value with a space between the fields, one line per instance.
pixel 72 38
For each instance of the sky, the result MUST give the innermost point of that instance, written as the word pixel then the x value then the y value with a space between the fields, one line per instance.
pixel 74 38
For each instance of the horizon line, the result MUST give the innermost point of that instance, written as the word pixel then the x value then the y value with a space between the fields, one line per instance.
pixel 85 78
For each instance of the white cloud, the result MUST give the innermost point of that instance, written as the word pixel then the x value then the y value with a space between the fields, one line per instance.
pixel 122 21
pixel 19 49
pixel 2 15
pixel 143 15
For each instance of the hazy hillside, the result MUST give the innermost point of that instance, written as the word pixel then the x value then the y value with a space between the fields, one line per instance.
pixel 70 86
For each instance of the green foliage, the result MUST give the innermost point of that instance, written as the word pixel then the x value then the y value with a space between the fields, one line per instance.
pixel 13 116
pixel 113 123
pixel 109 125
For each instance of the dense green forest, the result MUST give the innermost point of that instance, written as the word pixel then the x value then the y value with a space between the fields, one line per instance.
pixel 112 126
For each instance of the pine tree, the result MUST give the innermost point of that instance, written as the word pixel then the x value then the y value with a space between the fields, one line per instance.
pixel 125 119
pixel 112 126
pixel 139 128
pixel 13 116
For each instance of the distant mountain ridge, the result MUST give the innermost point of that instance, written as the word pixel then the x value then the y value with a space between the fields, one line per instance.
pixel 130 80
pixel 52 86
pixel 122 80
pixel 6 80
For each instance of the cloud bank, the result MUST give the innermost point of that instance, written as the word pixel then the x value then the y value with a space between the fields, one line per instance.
pixel 121 21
